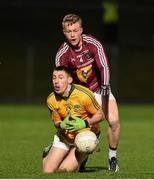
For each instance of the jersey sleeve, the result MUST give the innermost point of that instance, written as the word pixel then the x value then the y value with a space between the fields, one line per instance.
pixel 54 116
pixel 101 61
pixel 61 58
pixel 91 103
pixel 53 112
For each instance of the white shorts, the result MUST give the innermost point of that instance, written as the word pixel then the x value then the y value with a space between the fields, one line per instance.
pixel 99 97
pixel 60 144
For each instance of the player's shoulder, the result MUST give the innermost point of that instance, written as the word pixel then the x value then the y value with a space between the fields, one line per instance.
pixel 83 89
pixel 51 98
pixel 52 101
pixel 63 50
pixel 89 37
pixel 63 46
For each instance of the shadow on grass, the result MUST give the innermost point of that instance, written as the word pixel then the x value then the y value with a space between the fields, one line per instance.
pixel 94 169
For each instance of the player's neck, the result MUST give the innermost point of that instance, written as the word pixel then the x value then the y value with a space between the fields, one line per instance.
pixel 78 47
pixel 67 92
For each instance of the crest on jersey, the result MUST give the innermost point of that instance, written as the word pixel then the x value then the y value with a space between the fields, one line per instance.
pixel 84 73
pixel 77 107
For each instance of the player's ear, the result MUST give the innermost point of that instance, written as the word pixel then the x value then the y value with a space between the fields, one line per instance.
pixel 63 31
pixel 81 30
pixel 70 79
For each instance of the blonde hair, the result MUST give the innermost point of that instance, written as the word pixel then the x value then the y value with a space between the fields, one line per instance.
pixel 71 19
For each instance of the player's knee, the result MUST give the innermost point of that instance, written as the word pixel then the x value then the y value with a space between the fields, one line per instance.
pixel 113 122
pixel 47 168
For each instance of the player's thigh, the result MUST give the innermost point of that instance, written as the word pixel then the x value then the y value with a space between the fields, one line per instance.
pixel 72 161
pixel 98 97
pixel 53 159
pixel 113 114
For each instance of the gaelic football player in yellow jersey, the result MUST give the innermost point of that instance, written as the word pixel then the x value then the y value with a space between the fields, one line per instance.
pixel 69 101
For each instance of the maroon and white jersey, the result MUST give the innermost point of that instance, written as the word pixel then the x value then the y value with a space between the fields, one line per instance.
pixel 89 63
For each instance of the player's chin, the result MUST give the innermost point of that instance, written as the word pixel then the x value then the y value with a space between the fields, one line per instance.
pixel 58 91
pixel 74 43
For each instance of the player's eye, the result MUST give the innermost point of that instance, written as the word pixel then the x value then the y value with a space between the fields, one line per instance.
pixel 61 77
pixel 67 31
pixel 76 30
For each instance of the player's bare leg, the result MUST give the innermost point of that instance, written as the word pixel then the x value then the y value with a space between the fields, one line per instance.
pixel 53 160
pixel 113 133
pixel 110 108
pixel 73 161
pixel 114 124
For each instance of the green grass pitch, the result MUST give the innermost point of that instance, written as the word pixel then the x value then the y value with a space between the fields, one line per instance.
pixel 26 129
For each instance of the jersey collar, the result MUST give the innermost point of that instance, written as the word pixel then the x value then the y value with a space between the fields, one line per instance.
pixel 70 92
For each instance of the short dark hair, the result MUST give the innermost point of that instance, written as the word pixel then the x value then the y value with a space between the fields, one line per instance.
pixel 63 68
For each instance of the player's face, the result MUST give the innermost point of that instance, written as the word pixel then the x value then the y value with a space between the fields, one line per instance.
pixel 61 82
pixel 73 33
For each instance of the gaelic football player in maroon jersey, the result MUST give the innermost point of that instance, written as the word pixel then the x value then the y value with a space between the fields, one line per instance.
pixel 86 57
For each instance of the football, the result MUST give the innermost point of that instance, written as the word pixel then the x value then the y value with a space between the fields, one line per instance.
pixel 86 142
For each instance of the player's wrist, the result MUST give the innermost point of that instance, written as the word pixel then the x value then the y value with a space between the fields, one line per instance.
pixel 86 123
pixel 105 90
pixel 57 124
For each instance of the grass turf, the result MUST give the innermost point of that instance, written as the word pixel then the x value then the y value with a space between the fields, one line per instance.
pixel 26 129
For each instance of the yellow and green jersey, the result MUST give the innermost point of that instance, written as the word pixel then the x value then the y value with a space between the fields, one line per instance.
pixel 80 102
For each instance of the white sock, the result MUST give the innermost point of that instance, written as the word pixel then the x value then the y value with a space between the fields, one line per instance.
pixel 112 153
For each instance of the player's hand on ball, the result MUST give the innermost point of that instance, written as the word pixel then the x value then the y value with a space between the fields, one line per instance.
pixel 65 123
pixel 76 124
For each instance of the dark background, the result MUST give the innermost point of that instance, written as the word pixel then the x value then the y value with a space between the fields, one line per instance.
pixel 30 35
